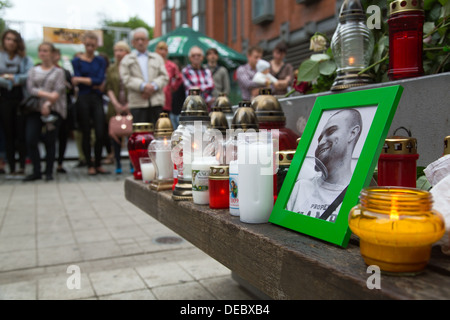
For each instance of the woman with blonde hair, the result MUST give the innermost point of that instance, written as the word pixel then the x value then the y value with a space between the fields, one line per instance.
pixel 89 74
pixel 117 93
pixel 47 82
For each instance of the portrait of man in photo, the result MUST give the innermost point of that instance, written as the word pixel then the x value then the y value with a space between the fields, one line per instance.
pixel 320 187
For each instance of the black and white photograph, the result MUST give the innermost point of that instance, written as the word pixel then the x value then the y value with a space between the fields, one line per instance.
pixel 330 161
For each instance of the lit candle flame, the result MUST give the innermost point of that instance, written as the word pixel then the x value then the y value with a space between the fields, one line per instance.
pixel 351 61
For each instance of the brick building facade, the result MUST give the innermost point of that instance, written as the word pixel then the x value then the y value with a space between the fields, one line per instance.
pixel 243 23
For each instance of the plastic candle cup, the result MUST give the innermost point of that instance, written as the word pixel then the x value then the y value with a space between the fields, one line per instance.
pixel 200 179
pixel 397 227
pixel 219 187
pixel 147 169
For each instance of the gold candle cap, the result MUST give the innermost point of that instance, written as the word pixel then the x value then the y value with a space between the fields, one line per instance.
pixel 267 107
pixel 405 5
pixel 218 119
pixel 447 145
pixel 219 173
pixel 194 107
pixel 245 117
pixel 143 127
pixel 285 157
pixel 163 126
pixel 400 145
pixel 223 103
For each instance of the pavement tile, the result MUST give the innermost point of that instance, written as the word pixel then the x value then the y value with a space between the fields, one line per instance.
pixel 19 259
pixel 144 294
pixel 185 291
pixel 116 281
pixel 64 288
pixel 24 290
pixel 64 254
pixel 163 274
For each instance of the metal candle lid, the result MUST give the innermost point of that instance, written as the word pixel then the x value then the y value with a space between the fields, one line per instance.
pixel 245 117
pixel 143 127
pixel 219 173
pixel 224 103
pixel 405 5
pixel 163 126
pixel 194 107
pixel 352 10
pixel 218 120
pixel 285 157
pixel 400 145
pixel 447 145
pixel 267 107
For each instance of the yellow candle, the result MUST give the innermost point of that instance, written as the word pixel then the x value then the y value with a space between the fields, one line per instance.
pixel 396 227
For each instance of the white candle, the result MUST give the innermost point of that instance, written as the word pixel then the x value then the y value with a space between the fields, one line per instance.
pixel 255 182
pixel 148 172
pixel 164 164
pixel 200 179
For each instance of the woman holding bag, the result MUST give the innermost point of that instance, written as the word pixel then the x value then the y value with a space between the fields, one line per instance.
pixel 45 81
pixel 117 93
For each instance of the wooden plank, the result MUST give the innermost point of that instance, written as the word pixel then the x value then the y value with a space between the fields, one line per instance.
pixel 282 263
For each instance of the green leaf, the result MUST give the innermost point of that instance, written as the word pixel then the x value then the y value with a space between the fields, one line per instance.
pixel 327 67
pixel 320 57
pixel 428 4
pixel 445 9
pixel 308 71
pixel 428 27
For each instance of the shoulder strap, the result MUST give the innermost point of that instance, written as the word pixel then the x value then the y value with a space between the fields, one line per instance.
pixel 47 76
pixel 334 205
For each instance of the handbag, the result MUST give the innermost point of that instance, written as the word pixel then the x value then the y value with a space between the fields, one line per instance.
pixel 30 104
pixel 120 126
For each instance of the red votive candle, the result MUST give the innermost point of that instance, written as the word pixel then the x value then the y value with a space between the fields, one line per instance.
pixel 219 188
pixel 405 39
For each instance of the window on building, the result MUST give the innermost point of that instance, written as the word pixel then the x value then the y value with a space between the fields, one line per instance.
pixel 198 15
pixel 263 11
pixel 166 20
pixel 180 12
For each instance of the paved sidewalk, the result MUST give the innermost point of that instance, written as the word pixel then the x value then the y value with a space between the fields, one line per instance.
pixel 121 252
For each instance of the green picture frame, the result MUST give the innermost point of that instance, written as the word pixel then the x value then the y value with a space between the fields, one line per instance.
pixel 377 107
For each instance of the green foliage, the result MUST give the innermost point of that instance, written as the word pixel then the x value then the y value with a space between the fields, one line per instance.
pixel 436 47
pixel 109 36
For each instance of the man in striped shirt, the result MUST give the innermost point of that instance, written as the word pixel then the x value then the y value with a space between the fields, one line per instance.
pixel 196 76
pixel 245 73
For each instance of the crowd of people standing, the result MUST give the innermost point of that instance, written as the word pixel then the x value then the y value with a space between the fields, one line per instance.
pixel 138 83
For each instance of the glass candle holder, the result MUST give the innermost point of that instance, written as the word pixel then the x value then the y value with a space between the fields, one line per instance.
pixel 352 45
pixel 397 165
pixel 160 151
pixel 405 39
pixel 147 169
pixel 219 187
pixel 138 144
pixel 396 227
